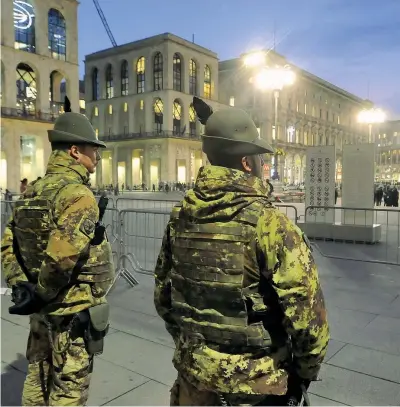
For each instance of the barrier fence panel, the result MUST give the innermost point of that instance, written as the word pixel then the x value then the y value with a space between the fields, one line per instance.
pixel 132 203
pixel 385 222
pixel 141 233
pixel 289 210
pixel 6 208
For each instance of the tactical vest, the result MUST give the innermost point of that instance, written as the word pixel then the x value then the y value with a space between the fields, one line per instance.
pixel 207 280
pixel 34 219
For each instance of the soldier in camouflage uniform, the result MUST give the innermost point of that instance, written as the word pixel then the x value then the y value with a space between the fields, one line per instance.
pixel 58 262
pixel 236 282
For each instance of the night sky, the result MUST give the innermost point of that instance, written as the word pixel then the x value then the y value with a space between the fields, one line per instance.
pixel 354 44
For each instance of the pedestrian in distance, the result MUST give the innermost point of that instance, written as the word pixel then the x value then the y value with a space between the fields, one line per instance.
pixel 236 282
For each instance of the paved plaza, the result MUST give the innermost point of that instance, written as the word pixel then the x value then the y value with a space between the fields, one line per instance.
pixel 363 300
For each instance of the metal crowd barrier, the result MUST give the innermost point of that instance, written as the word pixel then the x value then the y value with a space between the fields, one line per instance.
pixel 135 203
pixel 385 221
pixel 289 210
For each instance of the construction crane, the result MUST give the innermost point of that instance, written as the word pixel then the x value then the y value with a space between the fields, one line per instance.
pixel 104 21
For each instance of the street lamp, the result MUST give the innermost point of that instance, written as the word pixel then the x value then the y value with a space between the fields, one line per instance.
pixel 274 78
pixel 370 117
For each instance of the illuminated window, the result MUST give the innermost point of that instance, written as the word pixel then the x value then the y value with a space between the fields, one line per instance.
pixel 158 71
pixel 110 109
pixel 158 108
pixel 125 107
pixel 192 121
pixel 82 104
pixel 338 119
pixel 26 89
pixel 305 108
pixel 57 35
pixel 96 111
pixel 207 82
pixel 231 101
pixel 177 72
pixel 297 106
pixel 305 138
pixel 124 78
pixel 95 84
pixel 97 132
pixel 24 26
pixel 177 116
pixel 313 111
pixel 141 104
pixel 140 75
pixel 273 133
pixel 109 82
pixel 192 77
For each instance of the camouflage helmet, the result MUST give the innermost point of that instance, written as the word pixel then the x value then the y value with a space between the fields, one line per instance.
pixel 229 131
pixel 74 128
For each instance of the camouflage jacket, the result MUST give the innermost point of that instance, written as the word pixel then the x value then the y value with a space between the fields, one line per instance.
pixel 285 267
pixel 75 212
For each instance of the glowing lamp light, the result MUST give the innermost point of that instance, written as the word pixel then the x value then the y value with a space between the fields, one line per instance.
pixel 23 15
pixel 371 116
pixel 254 59
pixel 274 78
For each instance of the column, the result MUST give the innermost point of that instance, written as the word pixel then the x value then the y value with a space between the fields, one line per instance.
pixel 146 167
pixel 168 114
pixel 99 174
pixel 9 86
pixel 128 178
pixel 7 24
pixel 13 155
pixel 149 115
pixel 42 26
pixel 115 166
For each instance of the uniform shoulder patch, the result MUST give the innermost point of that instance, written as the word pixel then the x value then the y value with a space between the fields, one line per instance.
pixel 307 242
pixel 87 227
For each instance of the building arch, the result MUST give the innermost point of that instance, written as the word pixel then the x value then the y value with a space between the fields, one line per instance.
pixel 57 33
pixel 140 75
pixel 95 84
pixel 177 117
pixel 207 82
pixel 59 88
pixel 158 71
pixel 124 78
pixel 192 121
pixel 24 26
pixel 158 109
pixel 193 77
pixel 26 89
pixel 109 82
pixel 177 63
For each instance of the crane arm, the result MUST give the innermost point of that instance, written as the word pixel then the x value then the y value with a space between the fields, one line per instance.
pixel 104 21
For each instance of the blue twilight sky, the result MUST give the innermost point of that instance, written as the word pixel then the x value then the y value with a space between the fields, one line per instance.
pixel 354 44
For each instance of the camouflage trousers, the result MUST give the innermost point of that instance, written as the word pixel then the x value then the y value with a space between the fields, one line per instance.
pixel 59 372
pixel 184 393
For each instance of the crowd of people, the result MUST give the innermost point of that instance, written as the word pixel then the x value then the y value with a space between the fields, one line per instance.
pixel 388 194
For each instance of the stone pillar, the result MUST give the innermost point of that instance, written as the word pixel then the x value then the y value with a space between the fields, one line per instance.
pixel 42 27
pixel 128 176
pixel 13 156
pixel 9 91
pixel 116 69
pixel 7 24
pixel 115 166
pixel 146 167
pixel 149 115
pixel 168 115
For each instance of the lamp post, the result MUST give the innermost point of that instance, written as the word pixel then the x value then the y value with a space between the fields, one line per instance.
pixel 273 78
pixel 371 117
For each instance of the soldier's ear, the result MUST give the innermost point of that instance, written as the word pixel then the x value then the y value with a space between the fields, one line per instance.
pixel 246 164
pixel 74 152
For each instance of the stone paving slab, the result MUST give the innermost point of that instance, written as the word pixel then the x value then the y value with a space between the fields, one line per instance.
pixel 371 362
pixel 361 367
